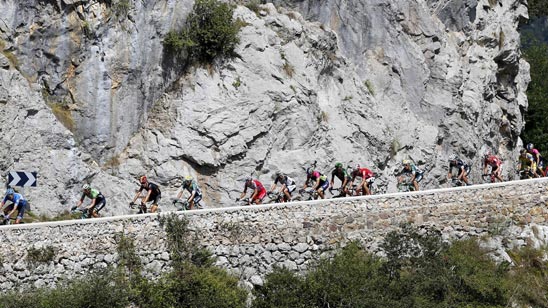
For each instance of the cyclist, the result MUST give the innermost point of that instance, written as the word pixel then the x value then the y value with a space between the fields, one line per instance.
pixel 462 167
pixel 343 176
pixel 98 201
pixel 195 192
pixel 409 168
pixel 153 194
pixel 366 176
pixel 526 163
pixel 319 180
pixel 495 163
pixel 539 160
pixel 18 203
pixel 259 192
pixel 288 185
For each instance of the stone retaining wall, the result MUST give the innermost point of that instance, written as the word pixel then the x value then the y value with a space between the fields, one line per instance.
pixel 250 240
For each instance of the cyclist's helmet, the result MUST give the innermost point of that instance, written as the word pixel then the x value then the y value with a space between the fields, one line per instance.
pixel 279 175
pixel 529 147
pixel 523 152
pixel 143 179
pixel 86 187
pixel 10 191
pixel 247 178
pixel 338 166
pixel 453 158
pixel 187 180
pixel 406 162
pixel 487 154
pixel 309 171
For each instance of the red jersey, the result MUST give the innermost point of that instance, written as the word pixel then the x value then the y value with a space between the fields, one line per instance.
pixel 493 161
pixel 365 173
pixel 255 184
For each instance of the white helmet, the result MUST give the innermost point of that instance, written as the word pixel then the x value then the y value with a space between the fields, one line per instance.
pixel 86 187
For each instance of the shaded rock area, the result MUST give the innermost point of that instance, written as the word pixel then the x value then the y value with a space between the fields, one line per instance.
pixel 370 82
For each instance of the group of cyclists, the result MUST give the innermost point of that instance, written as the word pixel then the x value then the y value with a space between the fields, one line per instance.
pixel 530 164
pixel 320 183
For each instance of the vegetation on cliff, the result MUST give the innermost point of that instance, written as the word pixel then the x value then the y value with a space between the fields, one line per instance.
pixel 534 37
pixel 209 32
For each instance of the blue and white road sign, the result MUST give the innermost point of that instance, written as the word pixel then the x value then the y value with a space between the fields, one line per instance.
pixel 22 178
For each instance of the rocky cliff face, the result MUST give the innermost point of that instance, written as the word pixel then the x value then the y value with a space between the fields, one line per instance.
pixel 369 82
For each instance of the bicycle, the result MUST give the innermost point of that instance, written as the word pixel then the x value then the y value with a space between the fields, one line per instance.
pixel 308 194
pixel 342 193
pixel 142 207
pixel 455 182
pixel 278 197
pixel 489 176
pixel 185 205
pixel 406 186
pixel 83 213
pixel 243 202
pixel 525 174
pixel 4 220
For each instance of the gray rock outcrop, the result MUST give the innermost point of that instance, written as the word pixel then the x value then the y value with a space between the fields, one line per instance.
pixel 369 82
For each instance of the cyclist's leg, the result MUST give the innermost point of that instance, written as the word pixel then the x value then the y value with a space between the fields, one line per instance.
pixel 155 203
pixel 142 208
pixel 415 185
pixel 259 197
pixel 323 187
pixel 99 206
pixel 288 190
pixel 366 189
pixel 196 201
pixel 498 173
pixel 20 213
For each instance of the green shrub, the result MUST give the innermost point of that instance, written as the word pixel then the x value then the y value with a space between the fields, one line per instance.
pixel 121 8
pixel 174 42
pixel 353 278
pixel 193 286
pixel 40 255
pixel 282 289
pixel 529 276
pixel 419 269
pixel 183 244
pixel 254 6
pixel 98 290
pixel 209 32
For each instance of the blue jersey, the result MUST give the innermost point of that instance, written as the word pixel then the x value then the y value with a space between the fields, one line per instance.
pixel 17 199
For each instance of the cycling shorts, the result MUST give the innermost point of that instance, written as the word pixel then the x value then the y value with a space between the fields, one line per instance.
pixel 324 185
pixel 466 169
pixel 260 195
pixel 197 198
pixel 156 199
pixel 291 188
pixel 100 203
pixel 20 209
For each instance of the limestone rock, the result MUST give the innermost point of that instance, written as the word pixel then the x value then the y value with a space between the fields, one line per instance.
pixel 95 99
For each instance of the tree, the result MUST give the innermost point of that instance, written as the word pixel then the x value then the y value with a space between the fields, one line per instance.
pixel 209 32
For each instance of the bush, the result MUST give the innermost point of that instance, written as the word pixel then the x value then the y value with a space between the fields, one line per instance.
pixel 193 286
pixel 40 255
pixel 418 270
pixel 209 32
pixel 282 289
pixel 102 289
